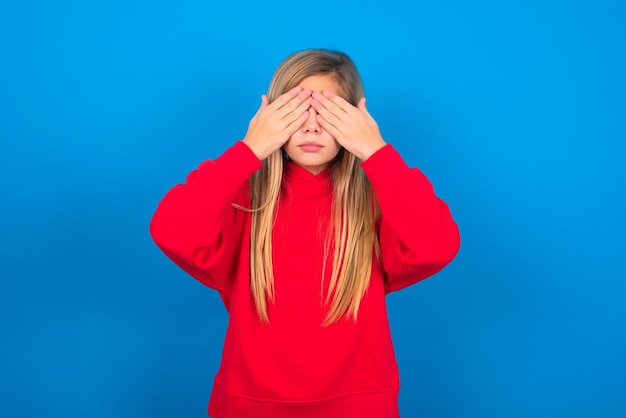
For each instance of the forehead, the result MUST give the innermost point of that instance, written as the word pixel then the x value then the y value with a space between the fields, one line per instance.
pixel 321 82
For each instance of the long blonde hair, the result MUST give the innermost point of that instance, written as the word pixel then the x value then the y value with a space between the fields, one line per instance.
pixel 355 208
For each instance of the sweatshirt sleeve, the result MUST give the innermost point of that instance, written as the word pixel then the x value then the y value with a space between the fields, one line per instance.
pixel 195 224
pixel 417 234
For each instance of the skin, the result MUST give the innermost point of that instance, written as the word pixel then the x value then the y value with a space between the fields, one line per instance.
pixel 313 112
pixel 312 133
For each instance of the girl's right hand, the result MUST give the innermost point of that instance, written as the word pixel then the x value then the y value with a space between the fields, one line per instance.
pixel 273 124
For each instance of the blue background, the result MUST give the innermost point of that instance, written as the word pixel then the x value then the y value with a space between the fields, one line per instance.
pixel 515 110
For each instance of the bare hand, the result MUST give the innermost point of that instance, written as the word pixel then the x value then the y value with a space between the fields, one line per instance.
pixel 274 123
pixel 352 127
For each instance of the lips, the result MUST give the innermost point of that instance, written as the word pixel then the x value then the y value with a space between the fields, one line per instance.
pixel 310 146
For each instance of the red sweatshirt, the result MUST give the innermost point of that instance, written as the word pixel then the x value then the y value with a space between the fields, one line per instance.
pixel 294 367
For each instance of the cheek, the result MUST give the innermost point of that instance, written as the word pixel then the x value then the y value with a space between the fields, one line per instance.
pixel 336 148
pixel 293 137
pixel 289 145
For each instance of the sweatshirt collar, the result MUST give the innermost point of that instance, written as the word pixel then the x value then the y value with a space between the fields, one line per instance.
pixel 296 174
pixel 304 181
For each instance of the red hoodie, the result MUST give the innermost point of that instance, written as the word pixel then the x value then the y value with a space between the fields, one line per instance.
pixel 294 367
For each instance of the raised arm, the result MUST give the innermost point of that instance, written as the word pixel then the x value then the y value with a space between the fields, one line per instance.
pixel 417 233
pixel 195 223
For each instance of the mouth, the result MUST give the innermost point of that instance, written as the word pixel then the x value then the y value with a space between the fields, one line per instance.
pixel 310 146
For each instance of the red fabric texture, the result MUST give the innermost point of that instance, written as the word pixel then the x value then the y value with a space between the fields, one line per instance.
pixel 294 367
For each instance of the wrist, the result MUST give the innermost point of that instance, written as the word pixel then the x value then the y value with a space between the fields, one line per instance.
pixel 372 149
pixel 254 148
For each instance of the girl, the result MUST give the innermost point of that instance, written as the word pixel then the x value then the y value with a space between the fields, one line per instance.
pixel 303 227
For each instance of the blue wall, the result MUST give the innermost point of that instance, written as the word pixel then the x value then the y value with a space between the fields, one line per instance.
pixel 515 110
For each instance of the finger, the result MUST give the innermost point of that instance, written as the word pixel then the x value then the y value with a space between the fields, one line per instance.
pixel 328 104
pixel 296 124
pixel 285 97
pixel 331 111
pixel 329 127
pixel 327 112
pixel 264 101
pixel 361 105
pixel 305 105
pixel 294 103
pixel 363 108
pixel 339 101
pixel 297 112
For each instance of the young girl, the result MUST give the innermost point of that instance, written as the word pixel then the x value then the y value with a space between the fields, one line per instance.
pixel 303 227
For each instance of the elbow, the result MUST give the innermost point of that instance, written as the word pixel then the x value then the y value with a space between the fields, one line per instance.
pixel 441 252
pixel 449 246
pixel 161 232
pixel 164 236
pixel 425 260
pixel 452 244
pixel 155 230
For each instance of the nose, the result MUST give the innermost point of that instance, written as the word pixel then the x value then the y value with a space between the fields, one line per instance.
pixel 312 125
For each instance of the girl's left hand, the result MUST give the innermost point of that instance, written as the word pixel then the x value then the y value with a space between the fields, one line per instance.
pixel 352 127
